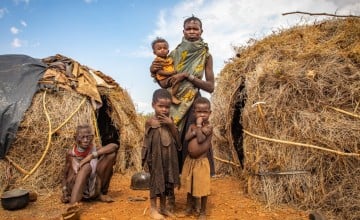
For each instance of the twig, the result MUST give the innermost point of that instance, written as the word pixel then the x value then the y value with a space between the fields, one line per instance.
pixel 227 161
pixel 146 208
pixel 320 14
pixel 302 145
pixel 16 165
pixel 71 115
pixel 345 112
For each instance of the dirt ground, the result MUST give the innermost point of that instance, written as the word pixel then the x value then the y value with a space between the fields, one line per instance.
pixel 227 201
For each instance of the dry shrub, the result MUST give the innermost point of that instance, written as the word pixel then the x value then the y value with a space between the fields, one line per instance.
pixel 305 76
pixel 33 135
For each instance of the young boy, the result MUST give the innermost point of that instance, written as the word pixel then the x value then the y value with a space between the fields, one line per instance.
pixel 88 169
pixel 195 175
pixel 161 49
pixel 159 153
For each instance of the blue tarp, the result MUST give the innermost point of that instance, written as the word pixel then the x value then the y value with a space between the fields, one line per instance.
pixel 19 76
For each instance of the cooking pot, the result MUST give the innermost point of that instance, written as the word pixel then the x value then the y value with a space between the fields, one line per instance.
pixel 140 181
pixel 15 199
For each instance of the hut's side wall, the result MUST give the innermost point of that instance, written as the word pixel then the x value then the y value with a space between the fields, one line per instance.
pixel 299 85
pixel 33 134
pixel 33 137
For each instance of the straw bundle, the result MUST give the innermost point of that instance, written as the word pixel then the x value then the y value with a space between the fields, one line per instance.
pixel 293 117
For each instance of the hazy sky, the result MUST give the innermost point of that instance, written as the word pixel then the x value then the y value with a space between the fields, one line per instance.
pixel 114 36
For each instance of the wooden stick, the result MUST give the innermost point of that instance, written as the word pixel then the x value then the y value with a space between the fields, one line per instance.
pixel 144 212
pixel 16 166
pixel 227 161
pixel 320 14
pixel 301 144
pixel 48 142
pixel 345 112
pixel 71 115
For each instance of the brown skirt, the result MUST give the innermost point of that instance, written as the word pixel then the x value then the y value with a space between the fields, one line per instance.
pixel 195 176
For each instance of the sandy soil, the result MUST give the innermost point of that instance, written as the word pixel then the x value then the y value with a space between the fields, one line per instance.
pixel 227 201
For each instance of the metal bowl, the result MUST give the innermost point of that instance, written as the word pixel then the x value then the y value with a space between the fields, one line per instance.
pixel 140 181
pixel 15 199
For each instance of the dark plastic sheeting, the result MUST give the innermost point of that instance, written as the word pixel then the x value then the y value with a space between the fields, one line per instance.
pixel 19 76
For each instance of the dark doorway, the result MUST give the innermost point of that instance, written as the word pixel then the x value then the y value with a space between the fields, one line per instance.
pixel 236 126
pixel 108 132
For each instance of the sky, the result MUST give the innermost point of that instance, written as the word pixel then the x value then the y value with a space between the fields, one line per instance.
pixel 114 36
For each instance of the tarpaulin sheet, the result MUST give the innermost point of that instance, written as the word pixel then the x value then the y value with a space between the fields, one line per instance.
pixel 19 76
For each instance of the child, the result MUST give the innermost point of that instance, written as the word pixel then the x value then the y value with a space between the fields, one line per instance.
pixel 161 49
pixel 88 169
pixel 195 175
pixel 159 153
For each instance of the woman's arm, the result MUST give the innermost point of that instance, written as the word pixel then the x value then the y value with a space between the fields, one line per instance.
pixel 209 83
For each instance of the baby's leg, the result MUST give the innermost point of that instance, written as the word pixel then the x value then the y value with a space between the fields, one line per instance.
pixel 174 90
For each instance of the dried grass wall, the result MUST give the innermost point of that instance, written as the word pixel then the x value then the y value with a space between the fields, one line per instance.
pixel 33 137
pixel 297 95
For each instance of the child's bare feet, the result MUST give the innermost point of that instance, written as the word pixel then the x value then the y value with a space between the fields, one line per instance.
pixel 105 198
pixel 186 213
pixel 156 215
pixel 175 100
pixel 202 216
pixel 72 212
pixel 167 213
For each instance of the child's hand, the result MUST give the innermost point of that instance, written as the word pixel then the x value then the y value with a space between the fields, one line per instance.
pixel 165 120
pixel 199 121
pixel 156 66
pixel 207 130
pixel 177 78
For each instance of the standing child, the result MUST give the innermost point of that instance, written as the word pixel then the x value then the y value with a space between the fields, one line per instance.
pixel 88 169
pixel 195 175
pixel 159 152
pixel 161 49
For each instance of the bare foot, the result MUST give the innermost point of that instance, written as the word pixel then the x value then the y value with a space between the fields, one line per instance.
pixel 202 216
pixel 186 213
pixel 72 212
pixel 156 215
pixel 167 213
pixel 105 198
pixel 175 100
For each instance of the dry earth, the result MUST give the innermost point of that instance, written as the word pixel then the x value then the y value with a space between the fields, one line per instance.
pixel 227 201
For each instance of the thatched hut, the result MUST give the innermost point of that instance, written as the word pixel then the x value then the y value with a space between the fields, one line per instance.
pixel 70 94
pixel 291 117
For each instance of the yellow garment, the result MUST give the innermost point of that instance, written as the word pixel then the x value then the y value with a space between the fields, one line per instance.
pixel 195 176
pixel 189 57
pixel 168 67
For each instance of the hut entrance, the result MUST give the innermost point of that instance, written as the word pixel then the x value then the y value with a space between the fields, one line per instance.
pixel 236 126
pixel 108 132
